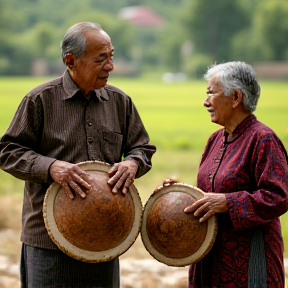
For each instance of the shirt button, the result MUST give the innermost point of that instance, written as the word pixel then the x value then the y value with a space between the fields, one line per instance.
pixel 89 124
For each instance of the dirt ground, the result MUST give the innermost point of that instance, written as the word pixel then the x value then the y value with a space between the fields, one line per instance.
pixel 138 268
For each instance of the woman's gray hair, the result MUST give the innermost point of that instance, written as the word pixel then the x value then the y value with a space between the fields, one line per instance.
pixel 74 41
pixel 237 75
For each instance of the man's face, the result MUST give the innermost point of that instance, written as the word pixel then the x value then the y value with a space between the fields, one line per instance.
pixel 91 70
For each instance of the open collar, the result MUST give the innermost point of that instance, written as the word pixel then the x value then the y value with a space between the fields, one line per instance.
pixel 71 89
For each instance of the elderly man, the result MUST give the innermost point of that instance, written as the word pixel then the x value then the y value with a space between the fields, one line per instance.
pixel 74 118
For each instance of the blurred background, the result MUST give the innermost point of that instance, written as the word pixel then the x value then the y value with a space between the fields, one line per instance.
pixel 176 36
pixel 162 50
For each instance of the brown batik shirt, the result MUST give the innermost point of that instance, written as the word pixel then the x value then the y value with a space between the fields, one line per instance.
pixel 55 121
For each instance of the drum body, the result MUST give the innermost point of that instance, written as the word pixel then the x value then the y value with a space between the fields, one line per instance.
pixel 172 236
pixel 98 228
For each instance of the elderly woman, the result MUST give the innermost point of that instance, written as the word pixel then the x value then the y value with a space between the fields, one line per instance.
pixel 245 174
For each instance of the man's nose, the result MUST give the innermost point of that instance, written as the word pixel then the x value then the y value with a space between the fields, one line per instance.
pixel 109 66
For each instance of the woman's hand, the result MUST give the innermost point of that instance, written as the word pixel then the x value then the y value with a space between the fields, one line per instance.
pixel 166 182
pixel 208 206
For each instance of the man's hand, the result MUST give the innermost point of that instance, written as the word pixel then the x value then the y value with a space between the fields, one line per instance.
pixel 207 206
pixel 122 175
pixel 71 176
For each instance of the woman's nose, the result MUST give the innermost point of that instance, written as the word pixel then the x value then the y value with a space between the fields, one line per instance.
pixel 206 103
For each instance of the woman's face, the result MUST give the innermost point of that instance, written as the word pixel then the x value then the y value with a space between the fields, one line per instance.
pixel 218 105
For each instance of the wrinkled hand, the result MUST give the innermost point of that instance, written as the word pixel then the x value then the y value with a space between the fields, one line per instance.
pixel 207 206
pixel 122 175
pixel 71 177
pixel 166 182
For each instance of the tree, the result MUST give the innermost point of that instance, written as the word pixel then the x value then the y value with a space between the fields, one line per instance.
pixel 211 25
pixel 266 38
pixel 121 32
pixel 14 58
pixel 271 25
pixel 168 47
pixel 44 39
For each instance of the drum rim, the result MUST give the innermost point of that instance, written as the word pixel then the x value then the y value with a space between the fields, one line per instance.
pixel 76 252
pixel 209 238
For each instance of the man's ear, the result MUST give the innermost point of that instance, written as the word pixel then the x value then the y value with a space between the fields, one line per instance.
pixel 237 98
pixel 70 61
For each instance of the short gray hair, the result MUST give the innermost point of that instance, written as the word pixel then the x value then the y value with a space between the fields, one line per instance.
pixel 74 41
pixel 237 75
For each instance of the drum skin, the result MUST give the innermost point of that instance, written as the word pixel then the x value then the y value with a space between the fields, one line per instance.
pixel 173 233
pixel 99 222
pixel 98 228
pixel 172 236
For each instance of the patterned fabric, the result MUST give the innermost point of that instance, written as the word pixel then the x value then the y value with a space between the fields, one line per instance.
pixel 250 167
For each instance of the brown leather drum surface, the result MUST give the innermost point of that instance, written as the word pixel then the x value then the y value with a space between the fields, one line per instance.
pixel 101 221
pixel 98 228
pixel 169 234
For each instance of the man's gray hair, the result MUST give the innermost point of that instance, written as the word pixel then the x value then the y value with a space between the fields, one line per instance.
pixel 74 41
pixel 237 75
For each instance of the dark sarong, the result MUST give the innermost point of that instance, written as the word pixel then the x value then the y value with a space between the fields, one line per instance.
pixel 45 268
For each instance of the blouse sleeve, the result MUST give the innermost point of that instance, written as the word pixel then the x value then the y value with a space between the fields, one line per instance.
pixel 270 199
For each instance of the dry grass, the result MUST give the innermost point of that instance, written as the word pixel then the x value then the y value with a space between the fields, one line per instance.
pixel 10 225
pixel 10 245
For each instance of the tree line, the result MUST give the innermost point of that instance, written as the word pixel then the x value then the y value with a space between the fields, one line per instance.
pixel 196 34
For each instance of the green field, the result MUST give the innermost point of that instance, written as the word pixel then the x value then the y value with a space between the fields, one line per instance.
pixel 175 118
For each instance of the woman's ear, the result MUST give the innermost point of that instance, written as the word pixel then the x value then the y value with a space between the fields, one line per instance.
pixel 237 98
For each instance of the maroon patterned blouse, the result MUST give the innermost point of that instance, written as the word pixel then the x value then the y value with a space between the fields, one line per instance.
pixel 250 167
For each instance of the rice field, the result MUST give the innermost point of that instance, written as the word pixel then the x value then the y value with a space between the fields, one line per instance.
pixel 175 119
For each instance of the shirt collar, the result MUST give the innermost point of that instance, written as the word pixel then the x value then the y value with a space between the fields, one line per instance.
pixel 241 128
pixel 72 89
pixel 102 93
pixel 70 86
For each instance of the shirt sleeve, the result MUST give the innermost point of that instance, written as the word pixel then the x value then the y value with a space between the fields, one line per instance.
pixel 270 199
pixel 18 146
pixel 138 146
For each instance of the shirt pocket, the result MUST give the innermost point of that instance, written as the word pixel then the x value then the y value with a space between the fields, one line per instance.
pixel 111 146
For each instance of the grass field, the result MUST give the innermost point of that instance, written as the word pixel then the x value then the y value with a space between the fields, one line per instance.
pixel 175 118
